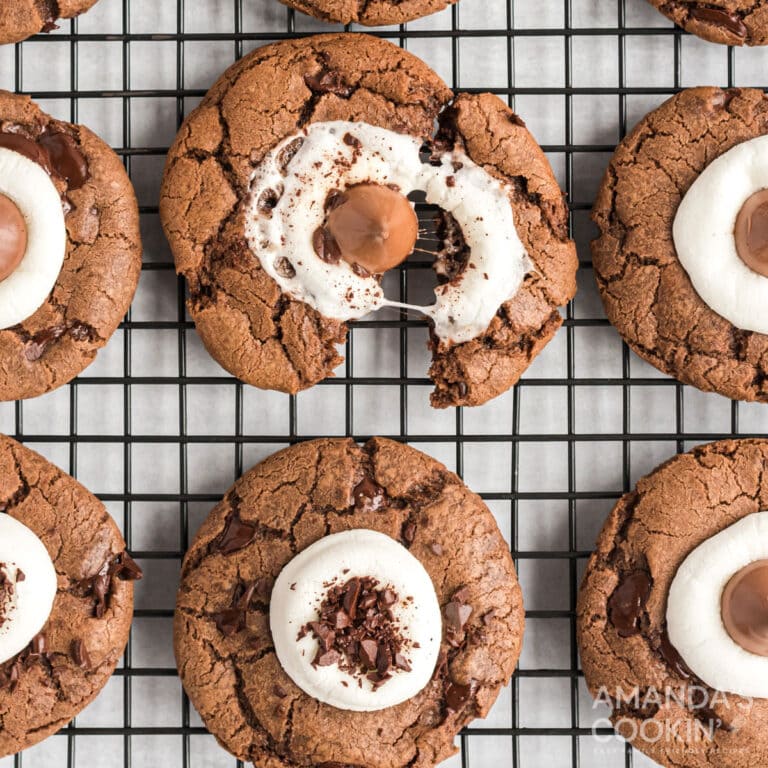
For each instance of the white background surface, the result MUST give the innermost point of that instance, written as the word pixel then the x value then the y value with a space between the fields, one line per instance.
pixel 550 457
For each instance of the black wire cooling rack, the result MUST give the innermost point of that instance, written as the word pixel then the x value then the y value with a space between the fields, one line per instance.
pixel 612 417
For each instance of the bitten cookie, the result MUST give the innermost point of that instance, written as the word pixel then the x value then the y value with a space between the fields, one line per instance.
pixel 70 250
pixel 672 623
pixel 371 12
pixel 66 597
pixel 732 22
pixel 20 19
pixel 285 200
pixel 682 256
pixel 347 605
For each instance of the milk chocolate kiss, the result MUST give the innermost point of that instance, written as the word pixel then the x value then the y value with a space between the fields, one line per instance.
pixel 751 232
pixel 13 237
pixel 745 608
pixel 374 227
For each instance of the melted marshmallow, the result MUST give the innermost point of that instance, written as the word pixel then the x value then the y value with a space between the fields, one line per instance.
pixel 33 192
pixel 694 613
pixel 303 584
pixel 30 605
pixel 463 308
pixel 703 232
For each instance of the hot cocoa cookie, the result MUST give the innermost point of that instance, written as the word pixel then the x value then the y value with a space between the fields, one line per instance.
pixel 70 251
pixel 347 605
pixel 20 19
pixel 680 260
pixel 66 597
pixel 370 12
pixel 672 624
pixel 284 211
pixel 732 22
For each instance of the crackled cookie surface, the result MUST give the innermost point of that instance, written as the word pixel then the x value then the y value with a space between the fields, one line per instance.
pixel 682 287
pixel 240 172
pixel 369 12
pixel 284 547
pixel 672 607
pixel 70 249
pixel 20 19
pixel 59 544
pixel 732 22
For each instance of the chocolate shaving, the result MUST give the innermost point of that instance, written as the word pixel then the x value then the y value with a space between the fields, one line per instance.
pixel 357 630
pixel 10 672
pixel 7 591
pixel 100 585
pixel 233 618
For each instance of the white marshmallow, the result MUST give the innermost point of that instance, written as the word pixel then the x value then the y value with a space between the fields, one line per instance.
pixel 480 204
pixel 302 586
pixel 29 607
pixel 694 611
pixel 703 235
pixel 31 189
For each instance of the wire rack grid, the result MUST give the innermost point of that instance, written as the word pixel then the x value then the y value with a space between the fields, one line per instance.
pixel 158 431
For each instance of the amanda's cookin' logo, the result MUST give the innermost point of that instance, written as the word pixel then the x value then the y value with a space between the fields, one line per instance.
pixel 689 713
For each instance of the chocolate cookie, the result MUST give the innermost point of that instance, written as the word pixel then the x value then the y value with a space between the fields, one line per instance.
pixel 66 597
pixel 70 265
pixel 732 22
pixel 20 19
pixel 678 558
pixel 687 296
pixel 284 209
pixel 372 13
pixel 350 540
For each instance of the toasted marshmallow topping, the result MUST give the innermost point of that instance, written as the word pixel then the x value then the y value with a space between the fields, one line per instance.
pixel 294 186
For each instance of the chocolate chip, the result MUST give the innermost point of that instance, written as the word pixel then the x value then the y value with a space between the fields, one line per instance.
pixel 351 597
pixel 436 548
pixel 488 617
pixel 408 532
pixel 457 615
pixel 369 650
pixel 324 634
pixel 626 605
pixel 80 654
pixel 731 22
pixel 327 659
pixel 352 141
pixel 287 153
pixel 267 201
pixel 235 536
pixel 369 496
pixel 450 181
pixel 279 691
pixel 325 246
pixel 328 81
pixel 457 696
pixel 284 268
pixel 230 621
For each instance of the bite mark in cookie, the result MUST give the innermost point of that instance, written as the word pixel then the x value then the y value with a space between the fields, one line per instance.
pixel 269 336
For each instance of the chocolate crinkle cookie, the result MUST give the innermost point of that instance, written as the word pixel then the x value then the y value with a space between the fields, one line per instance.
pixel 286 199
pixel 682 256
pixel 732 22
pixel 70 252
pixel 671 615
pixel 347 605
pixel 66 597
pixel 20 19
pixel 369 12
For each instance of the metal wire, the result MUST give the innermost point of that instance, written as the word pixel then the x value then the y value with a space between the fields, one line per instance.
pixel 240 438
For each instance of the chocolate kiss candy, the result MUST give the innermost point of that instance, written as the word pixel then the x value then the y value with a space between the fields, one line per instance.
pixel 745 608
pixel 374 227
pixel 13 237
